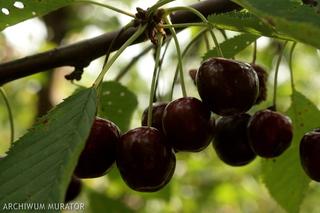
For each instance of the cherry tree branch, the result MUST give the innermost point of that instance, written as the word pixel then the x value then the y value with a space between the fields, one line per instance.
pixel 80 54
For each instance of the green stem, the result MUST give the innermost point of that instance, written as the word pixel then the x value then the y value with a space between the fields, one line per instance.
pixel 184 25
pixel 160 63
pixel 107 6
pixel 254 57
pixel 275 85
pixel 196 12
pixel 139 31
pixel 183 55
pixel 290 66
pixel 154 78
pixel 6 100
pixel 174 35
pixel 159 4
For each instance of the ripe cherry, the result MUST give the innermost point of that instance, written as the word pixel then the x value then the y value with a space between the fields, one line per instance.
pixel 263 77
pixel 231 141
pixel 187 124
pixel 99 153
pixel 269 133
pixel 144 160
pixel 309 154
pixel 73 190
pixel 157 112
pixel 227 86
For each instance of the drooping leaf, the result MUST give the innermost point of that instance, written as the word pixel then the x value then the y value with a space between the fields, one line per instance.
pixel 284 176
pixel 117 104
pixel 13 12
pixel 232 46
pixel 39 166
pixel 242 22
pixel 288 18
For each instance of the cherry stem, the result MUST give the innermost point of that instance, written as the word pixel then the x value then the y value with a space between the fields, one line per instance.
pixel 154 78
pixel 210 27
pixel 99 79
pixel 290 66
pixel 174 35
pixel 275 85
pixel 254 57
pixel 159 4
pixel 107 6
pixel 184 25
pixel 160 63
pixel 6 100
pixel 183 55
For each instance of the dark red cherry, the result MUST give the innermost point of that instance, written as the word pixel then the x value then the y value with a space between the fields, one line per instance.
pixel 227 86
pixel 187 124
pixel 263 77
pixel 270 133
pixel 99 153
pixel 73 190
pixel 309 154
pixel 231 141
pixel 157 112
pixel 144 160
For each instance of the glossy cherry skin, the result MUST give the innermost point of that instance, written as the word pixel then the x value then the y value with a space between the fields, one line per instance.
pixel 263 77
pixel 270 133
pixel 227 86
pixel 144 160
pixel 157 112
pixel 73 190
pixel 187 124
pixel 99 153
pixel 309 154
pixel 231 141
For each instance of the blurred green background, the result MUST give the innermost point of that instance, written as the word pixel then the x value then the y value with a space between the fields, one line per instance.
pixel 201 183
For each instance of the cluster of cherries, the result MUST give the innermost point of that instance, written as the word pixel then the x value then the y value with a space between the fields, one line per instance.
pixel 145 156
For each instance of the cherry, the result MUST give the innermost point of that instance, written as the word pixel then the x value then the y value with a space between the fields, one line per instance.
pixel 227 86
pixel 187 124
pixel 144 160
pixel 73 190
pixel 309 154
pixel 269 133
pixel 157 112
pixel 99 153
pixel 231 142
pixel 312 3
pixel 263 77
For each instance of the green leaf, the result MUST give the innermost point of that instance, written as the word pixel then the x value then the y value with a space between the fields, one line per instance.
pixel 232 46
pixel 102 203
pixel 288 18
pixel 24 9
pixel 241 21
pixel 39 166
pixel 284 176
pixel 117 104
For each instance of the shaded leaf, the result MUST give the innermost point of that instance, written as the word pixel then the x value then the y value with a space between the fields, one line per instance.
pixel 117 104
pixel 241 21
pixel 232 46
pixel 284 176
pixel 288 18
pixel 13 12
pixel 39 166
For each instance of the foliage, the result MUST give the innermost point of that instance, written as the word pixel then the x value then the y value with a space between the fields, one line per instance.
pixel 39 165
